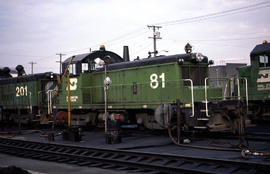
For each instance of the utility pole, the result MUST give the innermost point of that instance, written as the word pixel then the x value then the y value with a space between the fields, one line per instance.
pixel 32 66
pixel 156 35
pixel 60 54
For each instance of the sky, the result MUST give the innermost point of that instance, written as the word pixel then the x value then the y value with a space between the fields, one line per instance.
pixel 36 30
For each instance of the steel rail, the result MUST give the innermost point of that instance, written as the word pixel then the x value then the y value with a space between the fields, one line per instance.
pixel 127 160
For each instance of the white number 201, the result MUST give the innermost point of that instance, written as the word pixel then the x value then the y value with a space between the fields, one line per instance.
pixel 154 80
pixel 21 91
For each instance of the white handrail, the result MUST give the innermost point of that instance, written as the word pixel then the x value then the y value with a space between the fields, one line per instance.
pixel 48 101
pixel 246 81
pixel 238 89
pixel 225 91
pixel 30 102
pixel 205 95
pixel 192 96
pixel 49 95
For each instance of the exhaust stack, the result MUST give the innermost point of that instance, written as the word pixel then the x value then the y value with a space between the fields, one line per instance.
pixel 126 54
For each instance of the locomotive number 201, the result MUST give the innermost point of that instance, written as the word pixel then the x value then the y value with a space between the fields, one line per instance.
pixel 154 80
pixel 21 91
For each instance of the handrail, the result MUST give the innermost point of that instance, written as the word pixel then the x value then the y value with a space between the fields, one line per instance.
pixel 205 95
pixel 225 91
pixel 49 95
pixel 30 102
pixel 192 96
pixel 48 101
pixel 238 89
pixel 39 92
pixel 246 81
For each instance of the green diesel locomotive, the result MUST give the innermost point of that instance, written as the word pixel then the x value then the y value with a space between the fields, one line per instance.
pixel 157 93
pixel 154 92
pixel 27 99
pixel 258 82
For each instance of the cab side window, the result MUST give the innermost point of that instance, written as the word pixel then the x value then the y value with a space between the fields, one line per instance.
pixel 94 66
pixel 72 69
pixel 84 67
pixel 264 61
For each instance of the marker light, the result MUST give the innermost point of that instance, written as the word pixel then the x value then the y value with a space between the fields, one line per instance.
pixel 117 116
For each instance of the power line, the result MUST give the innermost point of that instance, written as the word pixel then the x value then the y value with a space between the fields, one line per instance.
pixel 217 14
pixel 122 37
pixel 131 34
pixel 146 45
pixel 45 57
pixel 225 40
pixel 139 31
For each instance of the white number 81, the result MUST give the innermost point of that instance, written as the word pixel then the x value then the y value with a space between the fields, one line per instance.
pixel 154 80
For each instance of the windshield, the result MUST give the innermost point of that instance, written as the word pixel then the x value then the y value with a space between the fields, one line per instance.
pixel 264 61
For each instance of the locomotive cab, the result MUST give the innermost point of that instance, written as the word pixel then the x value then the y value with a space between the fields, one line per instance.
pixel 84 63
pixel 81 91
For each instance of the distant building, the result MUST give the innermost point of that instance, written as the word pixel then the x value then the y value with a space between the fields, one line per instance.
pixel 219 74
pixel 229 70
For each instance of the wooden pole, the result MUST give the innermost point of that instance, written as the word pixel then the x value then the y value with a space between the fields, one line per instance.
pixel 68 95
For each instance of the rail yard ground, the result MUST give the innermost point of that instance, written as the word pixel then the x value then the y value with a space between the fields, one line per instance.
pixel 139 141
pixel 42 167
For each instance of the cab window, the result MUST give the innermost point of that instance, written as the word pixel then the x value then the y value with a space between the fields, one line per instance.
pixel 264 61
pixel 72 69
pixel 95 66
pixel 84 67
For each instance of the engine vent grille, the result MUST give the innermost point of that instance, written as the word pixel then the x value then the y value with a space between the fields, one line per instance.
pixel 196 74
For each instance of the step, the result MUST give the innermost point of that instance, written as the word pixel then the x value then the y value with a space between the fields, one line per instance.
pixel 204 101
pixel 202 110
pixel 200 127
pixel 36 120
pixel 266 114
pixel 204 119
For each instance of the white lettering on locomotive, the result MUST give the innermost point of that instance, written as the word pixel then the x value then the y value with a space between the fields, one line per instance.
pixel 21 91
pixel 263 76
pixel 154 80
pixel 73 84
pixel 263 86
pixel 73 98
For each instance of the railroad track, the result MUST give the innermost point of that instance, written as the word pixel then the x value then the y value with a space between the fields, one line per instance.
pixel 127 160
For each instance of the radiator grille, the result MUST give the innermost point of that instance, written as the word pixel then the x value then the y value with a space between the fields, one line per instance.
pixel 196 74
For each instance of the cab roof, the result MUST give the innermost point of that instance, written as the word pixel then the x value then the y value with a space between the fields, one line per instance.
pixel 260 49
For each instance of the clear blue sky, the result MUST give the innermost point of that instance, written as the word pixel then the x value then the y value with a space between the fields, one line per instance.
pixel 35 30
